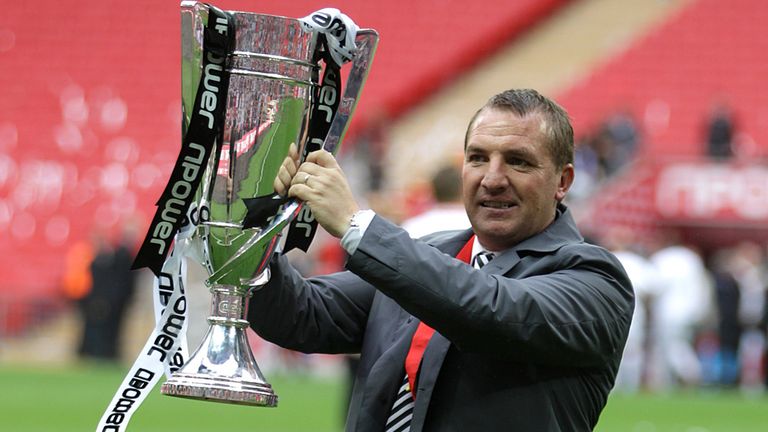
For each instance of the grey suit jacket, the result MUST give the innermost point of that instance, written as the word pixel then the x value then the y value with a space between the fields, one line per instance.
pixel 531 342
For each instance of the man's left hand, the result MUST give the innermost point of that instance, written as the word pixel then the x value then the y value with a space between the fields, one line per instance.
pixel 323 186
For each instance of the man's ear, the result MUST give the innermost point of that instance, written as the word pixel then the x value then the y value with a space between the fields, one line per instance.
pixel 567 174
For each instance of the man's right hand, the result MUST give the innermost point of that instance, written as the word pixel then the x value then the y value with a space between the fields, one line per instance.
pixel 287 171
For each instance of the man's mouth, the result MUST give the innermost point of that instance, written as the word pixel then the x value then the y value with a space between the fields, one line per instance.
pixel 496 204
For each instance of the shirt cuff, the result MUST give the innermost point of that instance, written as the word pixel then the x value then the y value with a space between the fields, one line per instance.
pixel 358 224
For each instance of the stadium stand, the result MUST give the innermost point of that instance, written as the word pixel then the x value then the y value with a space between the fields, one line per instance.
pixel 670 78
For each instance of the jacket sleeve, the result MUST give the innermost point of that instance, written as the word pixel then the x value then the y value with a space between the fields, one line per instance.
pixel 573 310
pixel 325 314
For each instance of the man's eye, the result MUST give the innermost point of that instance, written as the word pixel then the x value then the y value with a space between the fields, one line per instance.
pixel 518 162
pixel 475 158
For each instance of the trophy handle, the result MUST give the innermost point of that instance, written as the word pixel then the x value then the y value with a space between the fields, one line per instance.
pixel 366 42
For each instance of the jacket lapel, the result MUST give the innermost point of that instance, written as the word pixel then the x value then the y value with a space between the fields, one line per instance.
pixel 503 263
pixel 431 364
pixel 380 385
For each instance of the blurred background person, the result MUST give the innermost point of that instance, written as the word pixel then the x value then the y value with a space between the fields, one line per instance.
pixel 105 305
pixel 729 328
pixel 621 140
pixel 589 172
pixel 447 212
pixel 77 280
pixel 720 131
pixel 749 270
pixel 646 282
pixel 681 308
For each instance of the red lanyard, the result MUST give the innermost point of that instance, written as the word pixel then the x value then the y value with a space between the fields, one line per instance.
pixel 425 332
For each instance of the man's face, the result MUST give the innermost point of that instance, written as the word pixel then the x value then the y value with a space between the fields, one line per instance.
pixel 511 186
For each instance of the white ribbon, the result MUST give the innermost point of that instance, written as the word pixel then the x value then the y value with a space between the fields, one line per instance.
pixel 166 349
pixel 339 29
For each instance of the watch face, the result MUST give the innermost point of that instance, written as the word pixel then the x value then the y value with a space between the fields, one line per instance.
pixel 353 223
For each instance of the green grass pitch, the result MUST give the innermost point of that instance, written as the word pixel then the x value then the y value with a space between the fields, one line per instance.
pixel 73 399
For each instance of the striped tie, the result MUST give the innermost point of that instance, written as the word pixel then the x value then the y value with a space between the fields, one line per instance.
pixel 481 259
pixel 402 410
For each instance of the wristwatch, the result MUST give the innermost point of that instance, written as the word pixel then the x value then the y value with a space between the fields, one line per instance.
pixel 358 223
pixel 354 222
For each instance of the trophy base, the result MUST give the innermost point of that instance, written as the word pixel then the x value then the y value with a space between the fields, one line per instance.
pixel 223 369
pixel 220 390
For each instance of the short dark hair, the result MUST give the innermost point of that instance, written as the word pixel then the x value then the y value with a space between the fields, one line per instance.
pixel 523 102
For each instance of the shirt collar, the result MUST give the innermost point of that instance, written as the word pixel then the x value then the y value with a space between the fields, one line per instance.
pixel 477 248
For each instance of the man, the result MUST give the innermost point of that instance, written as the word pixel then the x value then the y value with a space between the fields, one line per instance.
pixel 529 342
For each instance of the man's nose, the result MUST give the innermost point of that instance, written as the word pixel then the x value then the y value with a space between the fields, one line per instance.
pixel 495 177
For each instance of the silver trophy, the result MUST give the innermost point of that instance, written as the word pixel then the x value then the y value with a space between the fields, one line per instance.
pixel 272 86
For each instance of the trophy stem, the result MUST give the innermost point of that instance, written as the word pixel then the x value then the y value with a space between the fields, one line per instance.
pixel 223 368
